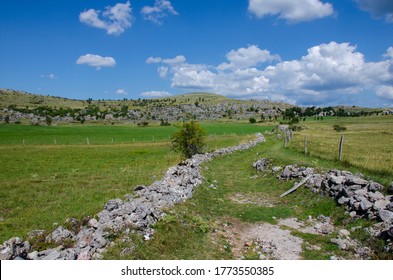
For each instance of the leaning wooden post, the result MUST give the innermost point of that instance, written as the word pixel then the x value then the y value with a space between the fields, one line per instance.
pixel 340 154
pixel 305 145
pixel 285 138
pixel 87 141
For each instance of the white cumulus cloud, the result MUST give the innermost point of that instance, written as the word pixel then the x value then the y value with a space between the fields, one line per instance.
pixel 151 94
pixel 151 60
pixel 328 73
pixel 96 61
pixel 121 91
pixel 247 57
pixel 115 19
pixel 159 11
pixel 180 59
pixel 49 76
pixel 291 10
pixel 385 92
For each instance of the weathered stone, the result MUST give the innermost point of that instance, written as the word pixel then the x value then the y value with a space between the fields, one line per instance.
pixel 355 180
pixel 336 180
pixel 343 233
pixel 386 216
pixel 112 204
pixel 60 234
pixel 33 255
pixel 374 196
pixel 14 247
pixel 52 256
pixel 374 186
pixel 365 205
pixel 343 200
pixel 382 204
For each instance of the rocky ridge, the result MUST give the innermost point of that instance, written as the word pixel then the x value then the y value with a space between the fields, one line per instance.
pixel 137 212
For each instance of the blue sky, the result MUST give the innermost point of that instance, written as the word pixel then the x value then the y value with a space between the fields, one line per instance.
pixel 306 52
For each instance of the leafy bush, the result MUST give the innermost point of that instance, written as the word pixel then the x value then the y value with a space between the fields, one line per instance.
pixel 252 120
pixel 339 128
pixel 189 139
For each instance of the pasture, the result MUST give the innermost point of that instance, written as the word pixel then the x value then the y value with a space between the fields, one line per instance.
pixel 43 183
pixel 368 141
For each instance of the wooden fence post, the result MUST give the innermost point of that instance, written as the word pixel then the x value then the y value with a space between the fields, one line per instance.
pixel 305 145
pixel 340 153
pixel 87 141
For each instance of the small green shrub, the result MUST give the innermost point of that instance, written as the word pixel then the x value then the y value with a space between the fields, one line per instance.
pixel 339 128
pixel 189 139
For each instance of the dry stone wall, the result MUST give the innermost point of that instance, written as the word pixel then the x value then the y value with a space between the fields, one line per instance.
pixel 139 212
pixel 361 198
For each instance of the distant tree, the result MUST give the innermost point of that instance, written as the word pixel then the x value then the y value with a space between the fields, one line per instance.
pixel 252 120
pixel 7 119
pixel 339 128
pixel 189 139
pixel 48 120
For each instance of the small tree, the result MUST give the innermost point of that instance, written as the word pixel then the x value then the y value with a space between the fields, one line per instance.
pixel 252 120
pixel 48 120
pixel 189 139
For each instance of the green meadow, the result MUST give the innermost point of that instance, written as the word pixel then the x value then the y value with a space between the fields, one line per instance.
pixel 43 183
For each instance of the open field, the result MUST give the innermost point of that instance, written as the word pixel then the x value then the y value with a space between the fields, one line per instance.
pixel 108 134
pixel 368 141
pixel 43 183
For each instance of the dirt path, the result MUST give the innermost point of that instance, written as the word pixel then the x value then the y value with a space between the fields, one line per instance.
pixel 268 241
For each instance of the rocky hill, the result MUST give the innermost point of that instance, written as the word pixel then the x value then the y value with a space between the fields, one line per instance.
pixel 17 106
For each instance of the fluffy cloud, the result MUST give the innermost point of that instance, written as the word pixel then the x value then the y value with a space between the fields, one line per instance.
pixel 328 73
pixel 121 91
pixel 378 8
pixel 151 60
pixel 291 10
pixel 115 20
pixel 49 76
pixel 326 67
pixel 385 92
pixel 180 59
pixel 96 61
pixel 247 57
pixel 159 11
pixel 155 94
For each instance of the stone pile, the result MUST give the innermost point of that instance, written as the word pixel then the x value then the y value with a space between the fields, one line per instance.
pixel 137 212
pixel 361 198
pixel 261 164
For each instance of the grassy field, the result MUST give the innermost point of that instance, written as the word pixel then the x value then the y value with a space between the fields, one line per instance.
pixel 368 141
pixel 43 183
pixel 108 134
pixel 200 221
